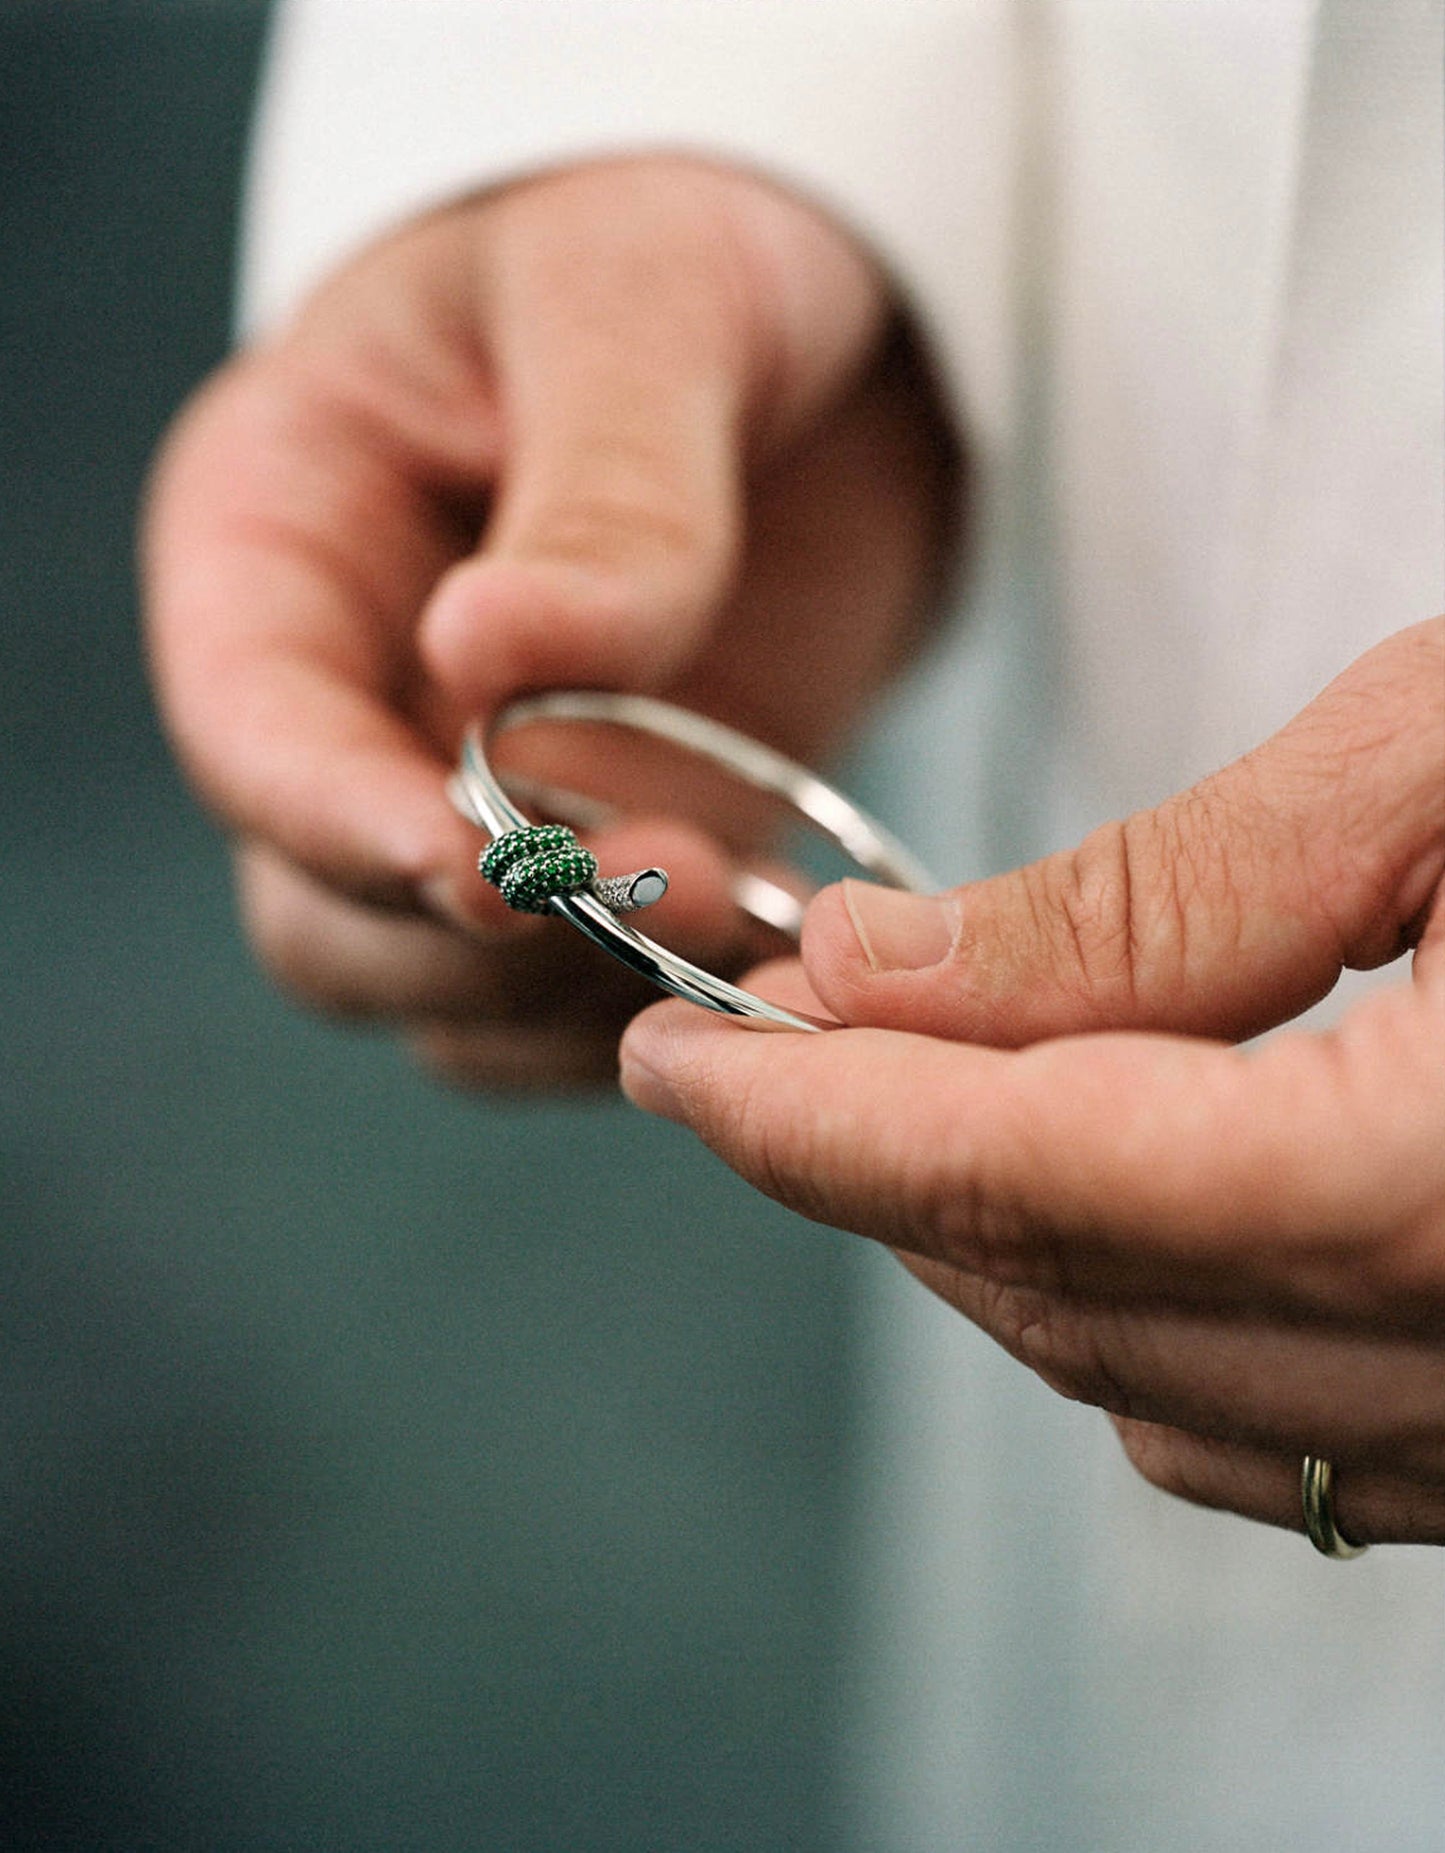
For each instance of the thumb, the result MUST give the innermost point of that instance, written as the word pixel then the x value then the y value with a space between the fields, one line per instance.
pixel 646 322
pixel 1227 910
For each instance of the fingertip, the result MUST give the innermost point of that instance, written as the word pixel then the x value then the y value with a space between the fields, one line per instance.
pixel 863 942
pixel 647 1090
pixel 830 947
pixel 495 628
pixel 685 1063
pixel 656 1050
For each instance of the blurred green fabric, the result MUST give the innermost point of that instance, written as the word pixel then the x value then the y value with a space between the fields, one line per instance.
pixel 379 1469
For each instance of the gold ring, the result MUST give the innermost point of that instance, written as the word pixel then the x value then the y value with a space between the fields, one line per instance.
pixel 1317 1492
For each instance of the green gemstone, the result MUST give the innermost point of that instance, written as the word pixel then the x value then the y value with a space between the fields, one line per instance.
pixel 529 884
pixel 514 846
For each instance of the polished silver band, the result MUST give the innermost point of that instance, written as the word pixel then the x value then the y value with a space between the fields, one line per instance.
pixel 1317 1491
pixel 479 795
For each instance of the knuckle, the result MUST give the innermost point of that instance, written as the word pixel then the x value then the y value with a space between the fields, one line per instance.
pixel 1160 1456
pixel 941 1208
pixel 973 1223
pixel 972 1226
pixel 1062 1344
pixel 1133 905
pixel 1193 912
pixel 1085 896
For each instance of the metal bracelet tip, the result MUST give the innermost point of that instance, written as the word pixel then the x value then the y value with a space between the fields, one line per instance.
pixel 628 894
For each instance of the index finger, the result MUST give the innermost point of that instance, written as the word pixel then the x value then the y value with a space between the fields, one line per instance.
pixel 293 534
pixel 1303 1177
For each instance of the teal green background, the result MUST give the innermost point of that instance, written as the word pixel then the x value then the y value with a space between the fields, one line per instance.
pixel 378 1469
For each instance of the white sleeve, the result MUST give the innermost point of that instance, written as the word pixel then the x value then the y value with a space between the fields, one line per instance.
pixel 894 115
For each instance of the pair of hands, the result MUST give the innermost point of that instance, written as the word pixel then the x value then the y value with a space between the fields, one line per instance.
pixel 657 425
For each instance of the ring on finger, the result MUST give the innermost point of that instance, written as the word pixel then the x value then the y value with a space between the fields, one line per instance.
pixel 1317 1494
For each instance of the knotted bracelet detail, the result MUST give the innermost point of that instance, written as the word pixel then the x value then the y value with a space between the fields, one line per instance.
pixel 594 908
pixel 530 866
pixel 533 865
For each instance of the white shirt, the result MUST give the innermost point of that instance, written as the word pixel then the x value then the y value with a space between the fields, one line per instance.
pixel 1181 262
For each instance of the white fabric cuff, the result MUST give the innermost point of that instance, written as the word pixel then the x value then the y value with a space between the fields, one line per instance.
pixel 896 118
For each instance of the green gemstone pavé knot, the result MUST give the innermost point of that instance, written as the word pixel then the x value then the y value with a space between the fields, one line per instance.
pixel 533 864
pixel 531 884
pixel 513 846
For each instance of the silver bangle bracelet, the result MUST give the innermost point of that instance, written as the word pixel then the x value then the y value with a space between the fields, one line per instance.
pixel 594 905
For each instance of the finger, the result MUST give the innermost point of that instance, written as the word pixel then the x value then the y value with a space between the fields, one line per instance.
pixel 845 544
pixel 1370 1507
pixel 1227 910
pixel 1366 1399
pixel 354 958
pixel 496 1060
pixel 288 547
pixel 1305 1175
pixel 632 326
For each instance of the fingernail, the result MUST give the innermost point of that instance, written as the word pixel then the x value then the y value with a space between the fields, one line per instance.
pixel 646 1089
pixel 900 932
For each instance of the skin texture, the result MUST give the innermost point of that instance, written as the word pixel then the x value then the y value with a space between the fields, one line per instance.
pixel 1240 1254
pixel 653 425
pixel 643 425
